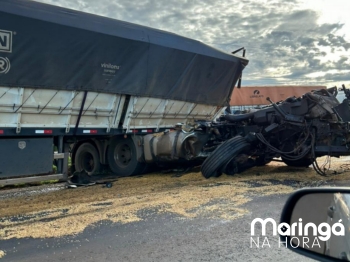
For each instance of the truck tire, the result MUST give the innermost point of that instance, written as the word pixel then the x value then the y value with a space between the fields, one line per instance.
pixel 88 159
pixel 122 157
pixel 304 162
pixel 214 164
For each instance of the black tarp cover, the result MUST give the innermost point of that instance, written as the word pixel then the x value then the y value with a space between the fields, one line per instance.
pixel 44 46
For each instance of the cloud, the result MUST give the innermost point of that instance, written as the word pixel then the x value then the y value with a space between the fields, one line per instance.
pixel 285 43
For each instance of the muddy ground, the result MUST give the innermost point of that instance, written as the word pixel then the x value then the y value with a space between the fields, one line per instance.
pixel 158 202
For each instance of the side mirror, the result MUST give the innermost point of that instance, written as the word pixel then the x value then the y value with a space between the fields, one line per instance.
pixel 316 223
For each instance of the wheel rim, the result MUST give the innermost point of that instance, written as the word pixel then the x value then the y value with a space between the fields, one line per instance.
pixel 88 163
pixel 122 155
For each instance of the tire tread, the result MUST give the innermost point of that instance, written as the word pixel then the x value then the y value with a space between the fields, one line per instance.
pixel 221 156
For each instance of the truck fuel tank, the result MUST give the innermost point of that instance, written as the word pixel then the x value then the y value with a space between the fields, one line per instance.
pixel 171 146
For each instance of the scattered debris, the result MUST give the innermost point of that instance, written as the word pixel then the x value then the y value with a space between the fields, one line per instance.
pixel 80 179
pixel 178 171
pixel 109 184
pixel 55 214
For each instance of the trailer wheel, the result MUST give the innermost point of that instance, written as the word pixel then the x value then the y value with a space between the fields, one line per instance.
pixel 87 158
pixel 214 164
pixel 122 158
pixel 304 162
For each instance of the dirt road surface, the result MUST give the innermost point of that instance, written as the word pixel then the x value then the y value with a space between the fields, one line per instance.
pixel 155 217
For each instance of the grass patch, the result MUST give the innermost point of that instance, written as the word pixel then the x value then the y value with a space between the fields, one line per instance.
pixel 53 181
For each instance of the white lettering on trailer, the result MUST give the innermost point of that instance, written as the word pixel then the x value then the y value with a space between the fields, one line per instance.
pixel 110 66
pixel 5 65
pixel 5 41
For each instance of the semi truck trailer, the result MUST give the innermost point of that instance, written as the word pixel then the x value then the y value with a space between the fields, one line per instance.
pixel 110 93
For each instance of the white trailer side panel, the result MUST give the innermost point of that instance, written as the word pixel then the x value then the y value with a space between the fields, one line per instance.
pixel 26 107
pixel 157 113
pixel 43 108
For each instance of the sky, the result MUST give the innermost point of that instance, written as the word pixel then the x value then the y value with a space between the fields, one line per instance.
pixel 294 42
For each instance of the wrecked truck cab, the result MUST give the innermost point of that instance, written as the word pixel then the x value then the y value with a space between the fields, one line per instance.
pixel 298 130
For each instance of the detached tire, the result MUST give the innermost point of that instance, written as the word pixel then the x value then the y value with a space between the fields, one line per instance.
pixel 87 159
pixel 304 162
pixel 122 157
pixel 214 164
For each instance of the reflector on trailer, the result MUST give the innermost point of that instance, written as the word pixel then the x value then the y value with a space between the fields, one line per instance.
pixel 146 130
pixel 90 131
pixel 1 132
pixel 43 131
